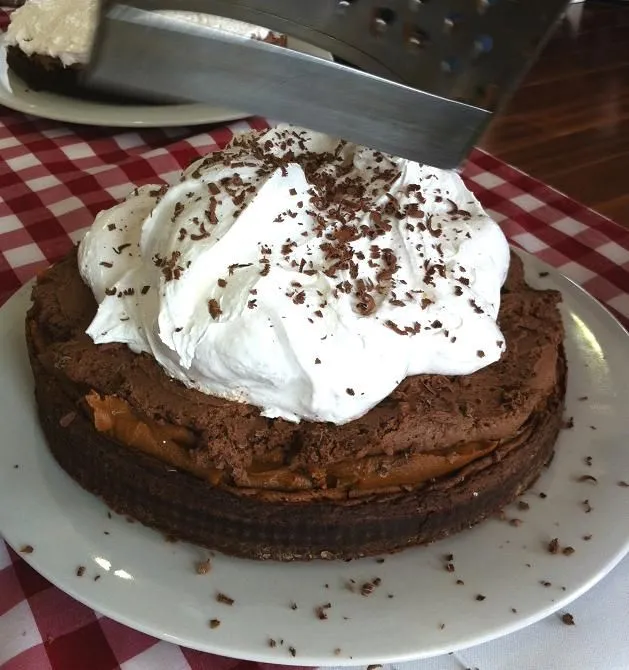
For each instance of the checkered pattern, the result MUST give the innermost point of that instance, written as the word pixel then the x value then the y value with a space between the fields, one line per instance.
pixel 53 180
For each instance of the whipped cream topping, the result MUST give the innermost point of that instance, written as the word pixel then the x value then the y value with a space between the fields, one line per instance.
pixel 302 274
pixel 65 29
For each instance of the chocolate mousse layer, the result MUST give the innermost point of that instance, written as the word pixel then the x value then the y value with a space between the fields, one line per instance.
pixel 437 455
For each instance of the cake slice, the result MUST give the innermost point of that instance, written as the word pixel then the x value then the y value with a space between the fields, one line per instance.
pixel 49 41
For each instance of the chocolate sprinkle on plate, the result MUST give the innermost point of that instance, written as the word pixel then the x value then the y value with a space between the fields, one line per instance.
pixel 568 619
pixel 214 623
pixel 26 549
pixel 224 599
pixel 80 571
pixel 586 506
pixel 203 567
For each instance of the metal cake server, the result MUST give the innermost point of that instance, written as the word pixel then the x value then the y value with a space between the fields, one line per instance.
pixel 415 78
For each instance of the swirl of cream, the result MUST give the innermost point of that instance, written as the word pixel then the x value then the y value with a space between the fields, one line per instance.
pixel 301 274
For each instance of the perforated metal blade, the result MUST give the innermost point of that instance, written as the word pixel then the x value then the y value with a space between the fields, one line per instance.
pixel 418 78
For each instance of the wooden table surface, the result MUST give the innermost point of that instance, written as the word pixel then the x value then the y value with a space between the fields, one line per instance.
pixel 568 123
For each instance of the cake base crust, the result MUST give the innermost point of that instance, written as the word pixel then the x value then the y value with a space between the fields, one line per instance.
pixel 187 508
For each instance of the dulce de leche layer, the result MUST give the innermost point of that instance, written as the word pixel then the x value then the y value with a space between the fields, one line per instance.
pixel 416 430
pixel 172 444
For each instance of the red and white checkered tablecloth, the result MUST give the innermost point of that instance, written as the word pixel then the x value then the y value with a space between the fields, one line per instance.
pixel 54 178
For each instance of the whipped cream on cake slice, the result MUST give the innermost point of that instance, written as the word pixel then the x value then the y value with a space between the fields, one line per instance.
pixel 301 274
pixel 64 29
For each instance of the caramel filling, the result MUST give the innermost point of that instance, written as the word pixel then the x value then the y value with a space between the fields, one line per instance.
pixel 175 446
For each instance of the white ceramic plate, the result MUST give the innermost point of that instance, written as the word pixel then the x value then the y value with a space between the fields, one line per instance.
pixel 152 585
pixel 15 94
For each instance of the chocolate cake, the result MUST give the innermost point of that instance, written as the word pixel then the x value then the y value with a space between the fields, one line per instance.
pixel 437 454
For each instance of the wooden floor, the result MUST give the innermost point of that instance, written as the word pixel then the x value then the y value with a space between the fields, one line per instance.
pixel 568 124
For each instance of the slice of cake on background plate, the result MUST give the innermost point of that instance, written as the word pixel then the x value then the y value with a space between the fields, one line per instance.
pixel 49 42
pixel 303 349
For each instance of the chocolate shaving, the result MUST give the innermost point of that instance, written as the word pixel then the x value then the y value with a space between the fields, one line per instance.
pixel 553 546
pixel 214 308
pixel 224 599
pixel 587 508
pixel 203 567
pixel 67 419
pixel 118 250
pixel 394 327
pixel 365 304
